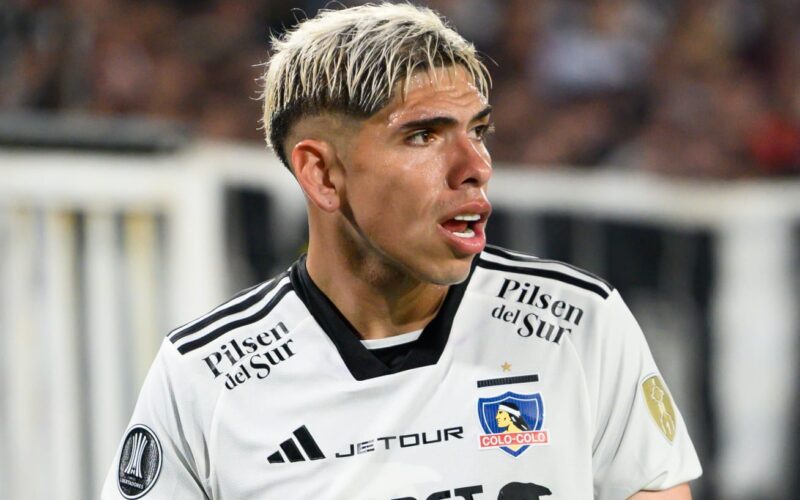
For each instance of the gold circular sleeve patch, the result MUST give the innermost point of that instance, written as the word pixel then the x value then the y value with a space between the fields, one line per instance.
pixel 660 405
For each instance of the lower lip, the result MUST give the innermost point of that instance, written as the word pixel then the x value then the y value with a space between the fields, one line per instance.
pixel 467 246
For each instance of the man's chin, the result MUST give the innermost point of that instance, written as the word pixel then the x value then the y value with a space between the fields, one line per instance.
pixel 452 273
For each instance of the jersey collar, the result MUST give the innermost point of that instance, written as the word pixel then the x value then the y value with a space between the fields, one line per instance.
pixel 359 360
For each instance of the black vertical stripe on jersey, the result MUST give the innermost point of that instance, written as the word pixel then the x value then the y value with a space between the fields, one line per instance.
pixel 307 442
pixel 227 311
pixel 222 330
pixel 545 273
pixel 291 451
pixel 506 254
pixel 362 363
pixel 276 458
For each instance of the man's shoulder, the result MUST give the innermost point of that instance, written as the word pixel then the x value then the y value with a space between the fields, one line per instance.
pixel 247 309
pixel 559 274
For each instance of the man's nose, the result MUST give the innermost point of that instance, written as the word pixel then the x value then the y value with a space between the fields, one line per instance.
pixel 471 164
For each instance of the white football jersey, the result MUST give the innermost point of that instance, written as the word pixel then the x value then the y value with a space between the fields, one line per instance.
pixel 533 381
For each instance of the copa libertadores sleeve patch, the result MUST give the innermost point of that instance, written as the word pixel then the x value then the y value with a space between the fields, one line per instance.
pixel 139 462
pixel 660 405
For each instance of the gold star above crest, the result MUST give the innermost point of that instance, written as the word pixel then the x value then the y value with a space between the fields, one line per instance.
pixel 506 366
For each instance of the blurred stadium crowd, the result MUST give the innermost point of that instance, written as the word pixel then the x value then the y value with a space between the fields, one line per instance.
pixel 700 88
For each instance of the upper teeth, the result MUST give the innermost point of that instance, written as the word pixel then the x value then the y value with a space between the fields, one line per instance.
pixel 468 217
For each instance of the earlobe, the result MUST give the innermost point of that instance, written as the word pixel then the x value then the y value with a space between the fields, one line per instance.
pixel 313 162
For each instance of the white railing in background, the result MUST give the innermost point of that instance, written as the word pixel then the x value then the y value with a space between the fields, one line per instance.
pixel 100 254
pixel 82 317
pixel 755 302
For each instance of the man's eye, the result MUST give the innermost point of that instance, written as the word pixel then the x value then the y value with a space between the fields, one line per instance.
pixel 483 131
pixel 420 138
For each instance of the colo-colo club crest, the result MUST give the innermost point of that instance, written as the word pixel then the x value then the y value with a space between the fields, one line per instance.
pixel 512 422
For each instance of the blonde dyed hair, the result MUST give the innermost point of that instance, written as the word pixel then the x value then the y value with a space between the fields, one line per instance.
pixel 351 61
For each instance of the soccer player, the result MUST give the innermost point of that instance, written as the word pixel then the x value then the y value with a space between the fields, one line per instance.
pixel 378 366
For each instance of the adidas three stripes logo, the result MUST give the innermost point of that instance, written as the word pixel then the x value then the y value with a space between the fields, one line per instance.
pixel 292 452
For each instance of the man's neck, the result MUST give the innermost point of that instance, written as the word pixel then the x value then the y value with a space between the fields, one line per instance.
pixel 377 300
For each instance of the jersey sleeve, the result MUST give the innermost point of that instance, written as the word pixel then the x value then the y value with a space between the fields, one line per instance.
pixel 157 456
pixel 641 441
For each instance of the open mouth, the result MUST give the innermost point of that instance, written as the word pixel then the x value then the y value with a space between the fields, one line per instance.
pixel 462 226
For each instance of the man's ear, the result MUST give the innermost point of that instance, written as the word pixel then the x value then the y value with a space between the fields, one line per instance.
pixel 317 169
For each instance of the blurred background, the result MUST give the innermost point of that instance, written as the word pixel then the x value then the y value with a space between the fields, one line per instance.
pixel 653 142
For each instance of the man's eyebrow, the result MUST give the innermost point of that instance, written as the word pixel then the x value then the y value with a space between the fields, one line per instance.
pixel 481 114
pixel 441 121
pixel 434 122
